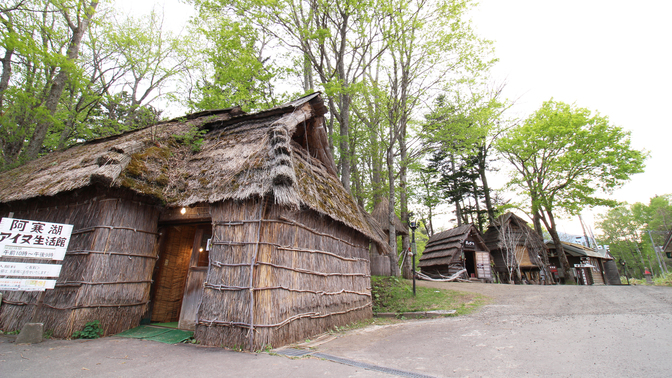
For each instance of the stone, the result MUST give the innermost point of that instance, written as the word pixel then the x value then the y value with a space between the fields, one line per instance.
pixel 30 334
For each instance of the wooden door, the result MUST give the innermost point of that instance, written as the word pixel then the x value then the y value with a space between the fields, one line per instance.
pixel 198 270
pixel 483 265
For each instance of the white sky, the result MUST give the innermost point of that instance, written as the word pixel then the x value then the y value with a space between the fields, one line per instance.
pixel 607 56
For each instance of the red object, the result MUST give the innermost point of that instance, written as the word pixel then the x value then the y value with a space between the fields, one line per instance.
pixel 647 271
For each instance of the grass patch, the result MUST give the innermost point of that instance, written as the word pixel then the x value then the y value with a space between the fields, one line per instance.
pixel 364 323
pixel 664 280
pixel 394 294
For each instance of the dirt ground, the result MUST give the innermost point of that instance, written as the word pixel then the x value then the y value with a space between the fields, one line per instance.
pixel 559 331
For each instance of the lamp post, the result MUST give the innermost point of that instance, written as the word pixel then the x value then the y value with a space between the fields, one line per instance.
pixel 413 225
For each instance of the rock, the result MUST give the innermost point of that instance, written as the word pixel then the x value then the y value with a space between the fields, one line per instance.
pixel 30 334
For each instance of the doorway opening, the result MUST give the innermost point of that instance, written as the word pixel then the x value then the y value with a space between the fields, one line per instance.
pixel 179 274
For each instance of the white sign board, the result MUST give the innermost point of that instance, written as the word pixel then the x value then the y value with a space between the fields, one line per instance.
pixel 33 239
pixel 29 270
pixel 10 284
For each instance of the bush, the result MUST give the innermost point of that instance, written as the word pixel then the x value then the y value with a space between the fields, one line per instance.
pixel 91 330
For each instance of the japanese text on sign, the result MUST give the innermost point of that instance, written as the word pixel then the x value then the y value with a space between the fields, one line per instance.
pixel 33 239
pixel 9 284
pixel 29 270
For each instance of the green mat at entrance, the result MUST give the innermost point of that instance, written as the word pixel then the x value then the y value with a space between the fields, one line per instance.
pixel 160 334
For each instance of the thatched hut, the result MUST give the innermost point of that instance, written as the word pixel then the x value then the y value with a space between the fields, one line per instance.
pixel 517 250
pixel 590 265
pixel 452 251
pixel 250 239
pixel 380 261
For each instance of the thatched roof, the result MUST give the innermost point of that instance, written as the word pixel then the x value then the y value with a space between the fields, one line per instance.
pixel 443 247
pixel 282 152
pixel 381 212
pixel 512 223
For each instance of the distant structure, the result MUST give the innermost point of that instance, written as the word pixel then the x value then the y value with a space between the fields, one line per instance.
pixel 517 251
pixel 452 251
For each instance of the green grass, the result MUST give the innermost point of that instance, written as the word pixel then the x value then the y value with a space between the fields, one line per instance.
pixel 394 294
pixel 665 280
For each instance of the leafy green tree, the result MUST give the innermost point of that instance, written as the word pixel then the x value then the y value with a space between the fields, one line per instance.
pixel 625 228
pixel 236 64
pixel 564 158
pixel 41 40
pixel 460 133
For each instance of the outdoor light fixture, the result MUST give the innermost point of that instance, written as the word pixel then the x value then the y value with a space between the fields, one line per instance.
pixel 413 225
pixel 183 211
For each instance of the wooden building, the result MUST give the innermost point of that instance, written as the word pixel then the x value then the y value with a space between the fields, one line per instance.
pixel 449 252
pixel 380 261
pixel 517 250
pixel 250 239
pixel 590 266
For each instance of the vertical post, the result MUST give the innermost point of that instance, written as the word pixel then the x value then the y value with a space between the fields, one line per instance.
pixel 413 225
pixel 413 252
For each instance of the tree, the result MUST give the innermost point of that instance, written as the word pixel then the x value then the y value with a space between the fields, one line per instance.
pixel 460 133
pixel 564 158
pixel 235 64
pixel 68 76
pixel 78 15
pixel 626 228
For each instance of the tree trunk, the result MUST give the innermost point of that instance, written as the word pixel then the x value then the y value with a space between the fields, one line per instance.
pixel 6 74
pixel 458 209
pixel 562 257
pixel 479 220
pixel 307 74
pixel 394 258
pixel 536 220
pixel 407 269
pixel 56 90
pixel 344 158
pixel 486 192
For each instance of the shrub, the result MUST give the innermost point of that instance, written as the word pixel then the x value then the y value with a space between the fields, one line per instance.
pixel 91 330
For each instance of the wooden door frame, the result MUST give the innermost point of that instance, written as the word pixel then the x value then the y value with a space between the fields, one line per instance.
pixel 183 323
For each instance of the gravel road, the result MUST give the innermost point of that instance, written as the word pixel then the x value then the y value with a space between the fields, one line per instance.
pixel 559 331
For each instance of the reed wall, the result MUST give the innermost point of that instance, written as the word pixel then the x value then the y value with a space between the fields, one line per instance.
pixel 107 269
pixel 278 276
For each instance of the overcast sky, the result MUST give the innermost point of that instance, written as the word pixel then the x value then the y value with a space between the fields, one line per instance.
pixel 607 56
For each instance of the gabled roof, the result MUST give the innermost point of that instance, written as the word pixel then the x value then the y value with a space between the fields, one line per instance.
pixel 667 247
pixel 579 250
pixel 511 224
pixel 281 152
pixel 443 247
